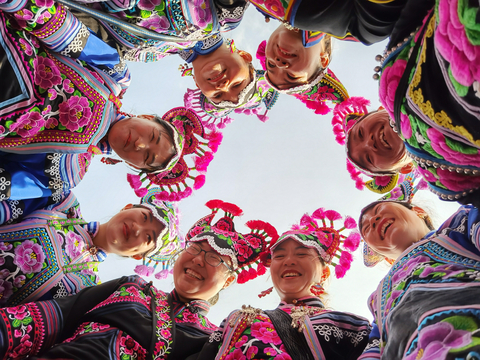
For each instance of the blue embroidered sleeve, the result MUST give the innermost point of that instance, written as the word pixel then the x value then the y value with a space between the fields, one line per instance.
pixel 372 350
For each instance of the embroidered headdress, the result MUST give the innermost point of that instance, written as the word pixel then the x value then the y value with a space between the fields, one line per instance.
pixel 345 116
pixel 333 247
pixel 242 249
pixel 404 192
pixel 324 87
pixel 167 242
pixel 189 138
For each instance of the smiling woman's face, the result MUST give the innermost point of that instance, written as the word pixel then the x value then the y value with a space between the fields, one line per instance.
pixel 374 146
pixel 288 62
pixel 142 142
pixel 390 228
pixel 294 269
pixel 222 75
pixel 196 279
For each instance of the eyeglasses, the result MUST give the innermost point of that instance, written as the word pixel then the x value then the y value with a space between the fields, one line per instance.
pixel 211 258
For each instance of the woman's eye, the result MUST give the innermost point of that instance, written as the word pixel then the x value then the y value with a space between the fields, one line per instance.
pixel 145 216
pixel 238 84
pixel 278 256
pixel 153 135
pixel 360 134
pixel 149 238
pixel 270 64
pixel 291 77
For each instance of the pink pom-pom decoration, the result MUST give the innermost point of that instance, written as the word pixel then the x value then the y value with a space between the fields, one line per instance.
pixel 134 181
pixel 263 117
pixel 332 215
pixel 261 54
pixel 214 204
pixel 305 220
pixel 202 162
pixel 252 273
pixel 261 269
pixel 215 139
pixel 232 209
pixel 340 271
pixel 199 182
pixel 350 223
pixel 163 196
pixel 144 270
pixel 346 260
pixel 161 274
pixel 352 242
pixel 141 192
pixel 242 277
pixel 319 214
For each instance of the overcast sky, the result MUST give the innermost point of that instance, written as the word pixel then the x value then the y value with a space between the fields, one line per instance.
pixel 275 171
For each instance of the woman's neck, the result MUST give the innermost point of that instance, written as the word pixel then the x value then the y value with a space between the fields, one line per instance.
pixel 100 239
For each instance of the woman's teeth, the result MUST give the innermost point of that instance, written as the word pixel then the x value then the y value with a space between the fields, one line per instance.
pixel 382 139
pixel 385 226
pixel 193 273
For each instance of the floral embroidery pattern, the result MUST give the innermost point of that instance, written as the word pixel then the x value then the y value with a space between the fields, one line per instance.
pixel 29 257
pixel 22 324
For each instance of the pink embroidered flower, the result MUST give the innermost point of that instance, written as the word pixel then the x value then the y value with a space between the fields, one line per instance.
pixel 24 14
pixel 129 345
pixel 202 13
pixel 148 4
pixel 2 261
pixel 155 23
pixel 196 230
pixel 2 129
pixel 74 244
pixel 240 342
pixel 96 76
pixel 402 273
pixel 68 86
pixel 29 257
pixel 393 296
pixel 253 241
pixel 26 47
pixel 265 332
pixel 251 352
pixel 165 333
pixel 4 273
pixel 47 75
pixel 428 175
pixel 5 247
pixel 22 350
pixel 237 354
pixel 454 45
pixel 19 281
pixel 51 123
pixel 435 341
pixel 189 317
pixel 19 312
pixel 75 113
pixel 391 76
pixel 243 249
pixel 457 182
pixel 6 290
pixel 455 157
pixel 52 94
pixel 47 109
pixel 28 124
pixel 275 7
pixel 405 126
pixel 44 17
pixel 44 3
pixel 270 351
pixel 283 356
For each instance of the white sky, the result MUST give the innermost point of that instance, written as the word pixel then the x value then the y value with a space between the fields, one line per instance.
pixel 275 171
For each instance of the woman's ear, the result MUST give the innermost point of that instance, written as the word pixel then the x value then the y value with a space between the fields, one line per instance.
pixel 245 55
pixel 422 214
pixel 229 281
pixel 128 206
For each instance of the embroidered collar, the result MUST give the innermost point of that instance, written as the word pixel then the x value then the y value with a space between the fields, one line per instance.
pixel 305 301
pixel 200 307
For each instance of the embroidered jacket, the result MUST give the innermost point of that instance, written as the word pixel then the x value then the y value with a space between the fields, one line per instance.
pixel 427 306
pixel 126 318
pixel 190 19
pixel 440 107
pixel 329 335
pixel 64 82
pixel 368 21
pixel 49 254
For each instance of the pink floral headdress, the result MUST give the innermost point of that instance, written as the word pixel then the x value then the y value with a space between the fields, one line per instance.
pixel 345 116
pixel 189 138
pixel 243 249
pixel 317 232
pixel 325 87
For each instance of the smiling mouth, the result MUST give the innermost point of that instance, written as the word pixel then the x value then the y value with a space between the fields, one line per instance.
pixel 193 274
pixel 126 231
pixel 127 142
pixel 385 225
pixel 290 274
pixel 218 77
pixel 383 140
pixel 284 53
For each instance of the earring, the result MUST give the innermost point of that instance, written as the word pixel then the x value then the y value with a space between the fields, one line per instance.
pixel 317 289
pixel 265 292
pixel 407 168
pixel 185 70
pixel 137 257
pixel 109 161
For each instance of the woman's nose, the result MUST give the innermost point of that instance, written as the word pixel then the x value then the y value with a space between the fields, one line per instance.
pixel 140 144
pixel 222 85
pixel 282 63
